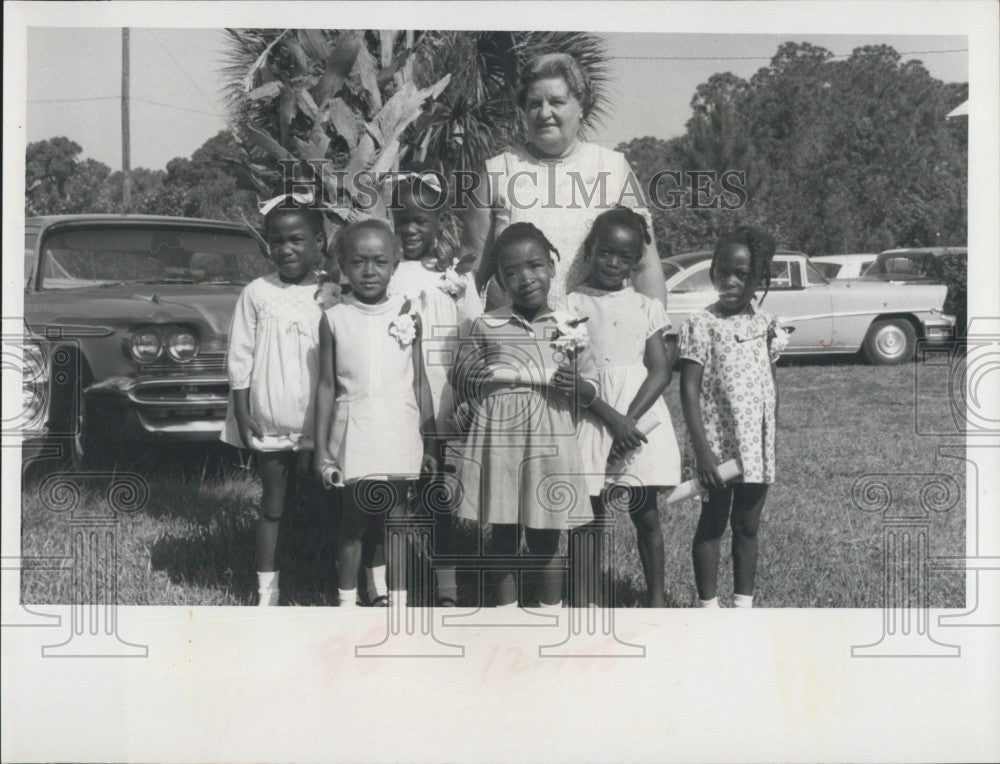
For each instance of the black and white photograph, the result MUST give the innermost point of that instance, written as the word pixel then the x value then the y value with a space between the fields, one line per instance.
pixel 435 381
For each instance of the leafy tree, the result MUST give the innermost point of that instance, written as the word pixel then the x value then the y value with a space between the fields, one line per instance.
pixel 365 100
pixel 839 155
pixel 57 182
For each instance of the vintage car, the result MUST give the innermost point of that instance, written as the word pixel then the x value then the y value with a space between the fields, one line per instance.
pixel 842 266
pixel 840 316
pixel 910 265
pixel 127 319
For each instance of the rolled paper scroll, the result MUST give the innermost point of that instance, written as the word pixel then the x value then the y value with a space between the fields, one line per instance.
pixel 333 476
pixel 727 471
pixel 646 424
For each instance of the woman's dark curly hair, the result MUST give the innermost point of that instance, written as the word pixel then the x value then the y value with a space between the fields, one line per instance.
pixel 563 65
pixel 759 244
pixel 514 234
pixel 624 217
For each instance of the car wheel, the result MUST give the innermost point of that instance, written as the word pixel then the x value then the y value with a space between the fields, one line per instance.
pixel 890 342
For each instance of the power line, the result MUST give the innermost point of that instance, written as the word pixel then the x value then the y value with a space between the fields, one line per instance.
pixel 768 58
pixel 179 108
pixel 73 100
pixel 134 98
pixel 179 66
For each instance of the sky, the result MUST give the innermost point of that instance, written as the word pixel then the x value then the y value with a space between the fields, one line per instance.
pixel 74 83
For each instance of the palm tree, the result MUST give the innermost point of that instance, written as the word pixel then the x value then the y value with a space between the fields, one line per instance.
pixel 366 100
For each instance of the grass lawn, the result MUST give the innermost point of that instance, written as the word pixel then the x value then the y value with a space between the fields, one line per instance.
pixel 192 544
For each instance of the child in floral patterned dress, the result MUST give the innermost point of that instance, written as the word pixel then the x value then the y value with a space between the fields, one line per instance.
pixel 374 417
pixel 730 400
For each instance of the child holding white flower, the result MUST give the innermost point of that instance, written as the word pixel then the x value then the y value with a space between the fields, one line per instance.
pixel 526 371
pixel 272 364
pixel 374 417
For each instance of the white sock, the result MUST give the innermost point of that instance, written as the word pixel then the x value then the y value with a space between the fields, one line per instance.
pixel 376 581
pixel 714 602
pixel 401 595
pixel 267 588
pixel 742 600
pixel 348 597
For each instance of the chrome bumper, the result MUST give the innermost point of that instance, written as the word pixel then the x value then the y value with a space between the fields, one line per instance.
pixel 165 407
pixel 939 328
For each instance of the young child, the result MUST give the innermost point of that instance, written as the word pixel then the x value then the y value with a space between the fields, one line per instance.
pixel 521 465
pixel 272 362
pixel 450 301
pixel 372 399
pixel 730 400
pixel 627 333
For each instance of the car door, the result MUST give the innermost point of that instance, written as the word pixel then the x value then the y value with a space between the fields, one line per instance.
pixel 801 298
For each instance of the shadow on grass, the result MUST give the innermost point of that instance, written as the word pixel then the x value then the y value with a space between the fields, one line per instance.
pixel 220 553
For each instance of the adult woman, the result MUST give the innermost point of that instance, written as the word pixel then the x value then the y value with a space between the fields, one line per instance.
pixel 555 180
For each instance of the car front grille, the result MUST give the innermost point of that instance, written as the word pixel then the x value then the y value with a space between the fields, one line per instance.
pixel 203 363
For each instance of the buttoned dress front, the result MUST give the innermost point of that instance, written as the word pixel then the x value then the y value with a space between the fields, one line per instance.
pixel 521 460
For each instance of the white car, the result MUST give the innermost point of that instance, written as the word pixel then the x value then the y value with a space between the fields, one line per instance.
pixel 839 316
pixel 842 266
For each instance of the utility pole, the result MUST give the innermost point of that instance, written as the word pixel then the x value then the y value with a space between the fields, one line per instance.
pixel 126 149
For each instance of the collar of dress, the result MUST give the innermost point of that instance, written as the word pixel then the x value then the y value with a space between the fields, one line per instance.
pixel 506 315
pixel 595 292
pixel 394 302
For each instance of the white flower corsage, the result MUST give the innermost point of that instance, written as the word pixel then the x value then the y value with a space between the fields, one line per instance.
pixel 451 282
pixel 404 326
pixel 777 339
pixel 571 336
pixel 327 291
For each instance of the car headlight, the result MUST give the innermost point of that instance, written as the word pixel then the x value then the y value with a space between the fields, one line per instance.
pixel 182 345
pixel 145 346
pixel 34 382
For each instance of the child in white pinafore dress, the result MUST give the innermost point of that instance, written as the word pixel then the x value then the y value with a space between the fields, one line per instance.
pixel 272 366
pixel 372 400
pixel 627 332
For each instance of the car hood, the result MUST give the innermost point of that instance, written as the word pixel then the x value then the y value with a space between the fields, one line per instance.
pixel 208 306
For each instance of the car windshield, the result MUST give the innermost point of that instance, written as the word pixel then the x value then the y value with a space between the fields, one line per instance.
pixel 830 270
pixel 698 281
pixel 815 275
pixel 86 257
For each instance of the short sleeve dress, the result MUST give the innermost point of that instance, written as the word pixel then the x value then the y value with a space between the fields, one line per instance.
pixel 562 197
pixel 376 419
pixel 619 323
pixel 737 389
pixel 274 351
pixel 521 461
pixel 442 315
